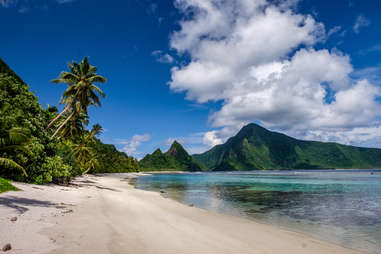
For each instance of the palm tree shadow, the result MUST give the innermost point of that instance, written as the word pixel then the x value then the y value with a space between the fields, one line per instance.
pixel 21 204
pixel 82 183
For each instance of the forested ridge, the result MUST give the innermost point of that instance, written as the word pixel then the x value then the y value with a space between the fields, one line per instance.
pixel 256 148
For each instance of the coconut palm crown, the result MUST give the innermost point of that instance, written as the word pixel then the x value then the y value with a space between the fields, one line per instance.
pixel 81 91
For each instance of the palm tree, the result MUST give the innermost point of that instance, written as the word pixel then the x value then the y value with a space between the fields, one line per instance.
pixel 97 129
pixel 81 91
pixel 84 152
pixel 75 126
pixel 16 139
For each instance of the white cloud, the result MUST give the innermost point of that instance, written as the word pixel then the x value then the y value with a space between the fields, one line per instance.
pixel 163 57
pixel 211 139
pixel 361 21
pixel 257 58
pixel 333 30
pixel 130 146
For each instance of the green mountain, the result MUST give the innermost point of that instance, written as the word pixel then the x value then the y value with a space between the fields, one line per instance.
pixel 255 147
pixel 176 158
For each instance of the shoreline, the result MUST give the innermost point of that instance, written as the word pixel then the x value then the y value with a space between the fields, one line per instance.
pixel 105 214
pixel 281 227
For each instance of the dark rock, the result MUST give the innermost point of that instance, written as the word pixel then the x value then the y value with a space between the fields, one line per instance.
pixel 191 205
pixel 161 191
pixel 7 247
pixel 13 219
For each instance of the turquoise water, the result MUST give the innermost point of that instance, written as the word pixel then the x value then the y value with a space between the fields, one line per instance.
pixel 343 207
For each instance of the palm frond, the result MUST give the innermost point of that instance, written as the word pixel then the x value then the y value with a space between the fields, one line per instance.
pixel 95 98
pixel 97 79
pixel 97 129
pixel 8 163
pixel 19 135
pixel 85 66
pixel 69 76
pixel 98 90
pixel 92 71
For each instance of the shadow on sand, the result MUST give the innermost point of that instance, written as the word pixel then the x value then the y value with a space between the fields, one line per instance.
pixel 21 204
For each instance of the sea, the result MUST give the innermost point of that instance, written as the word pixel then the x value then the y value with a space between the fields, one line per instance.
pixel 339 206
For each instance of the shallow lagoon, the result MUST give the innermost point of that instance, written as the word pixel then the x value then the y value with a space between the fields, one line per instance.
pixel 341 206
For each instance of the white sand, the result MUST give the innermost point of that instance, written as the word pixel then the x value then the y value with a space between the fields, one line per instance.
pixel 110 216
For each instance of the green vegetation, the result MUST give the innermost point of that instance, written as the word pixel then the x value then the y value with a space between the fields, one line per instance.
pixel 38 145
pixel 15 139
pixel 255 147
pixel 6 186
pixel 176 158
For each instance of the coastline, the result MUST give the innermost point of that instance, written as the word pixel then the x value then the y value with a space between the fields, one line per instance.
pixel 104 214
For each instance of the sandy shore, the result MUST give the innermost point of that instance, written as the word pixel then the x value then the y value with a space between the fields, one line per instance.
pixel 104 214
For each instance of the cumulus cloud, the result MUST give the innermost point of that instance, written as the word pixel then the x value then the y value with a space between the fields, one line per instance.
pixel 130 146
pixel 361 21
pixel 163 57
pixel 257 57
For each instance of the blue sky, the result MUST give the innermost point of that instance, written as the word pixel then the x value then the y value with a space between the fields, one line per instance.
pixel 197 71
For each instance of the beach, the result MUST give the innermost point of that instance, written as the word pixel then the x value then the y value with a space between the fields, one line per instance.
pixel 104 214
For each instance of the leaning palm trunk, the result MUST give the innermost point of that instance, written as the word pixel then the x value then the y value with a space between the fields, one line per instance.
pixel 87 171
pixel 60 115
pixel 63 124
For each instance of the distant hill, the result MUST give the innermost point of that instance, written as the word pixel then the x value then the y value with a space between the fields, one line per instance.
pixel 255 147
pixel 176 158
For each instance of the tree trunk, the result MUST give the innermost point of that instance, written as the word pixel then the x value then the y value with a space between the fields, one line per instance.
pixel 59 116
pixel 86 171
pixel 62 125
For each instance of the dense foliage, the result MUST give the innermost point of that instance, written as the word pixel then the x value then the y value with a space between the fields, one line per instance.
pixel 176 158
pixel 41 158
pixel 255 147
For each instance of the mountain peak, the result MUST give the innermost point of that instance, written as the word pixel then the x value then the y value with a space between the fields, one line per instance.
pixel 255 147
pixel 157 151
pixel 176 149
pixel 253 126
pixel 176 158
pixel 175 143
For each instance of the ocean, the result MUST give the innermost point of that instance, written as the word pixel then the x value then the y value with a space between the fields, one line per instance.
pixel 340 206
